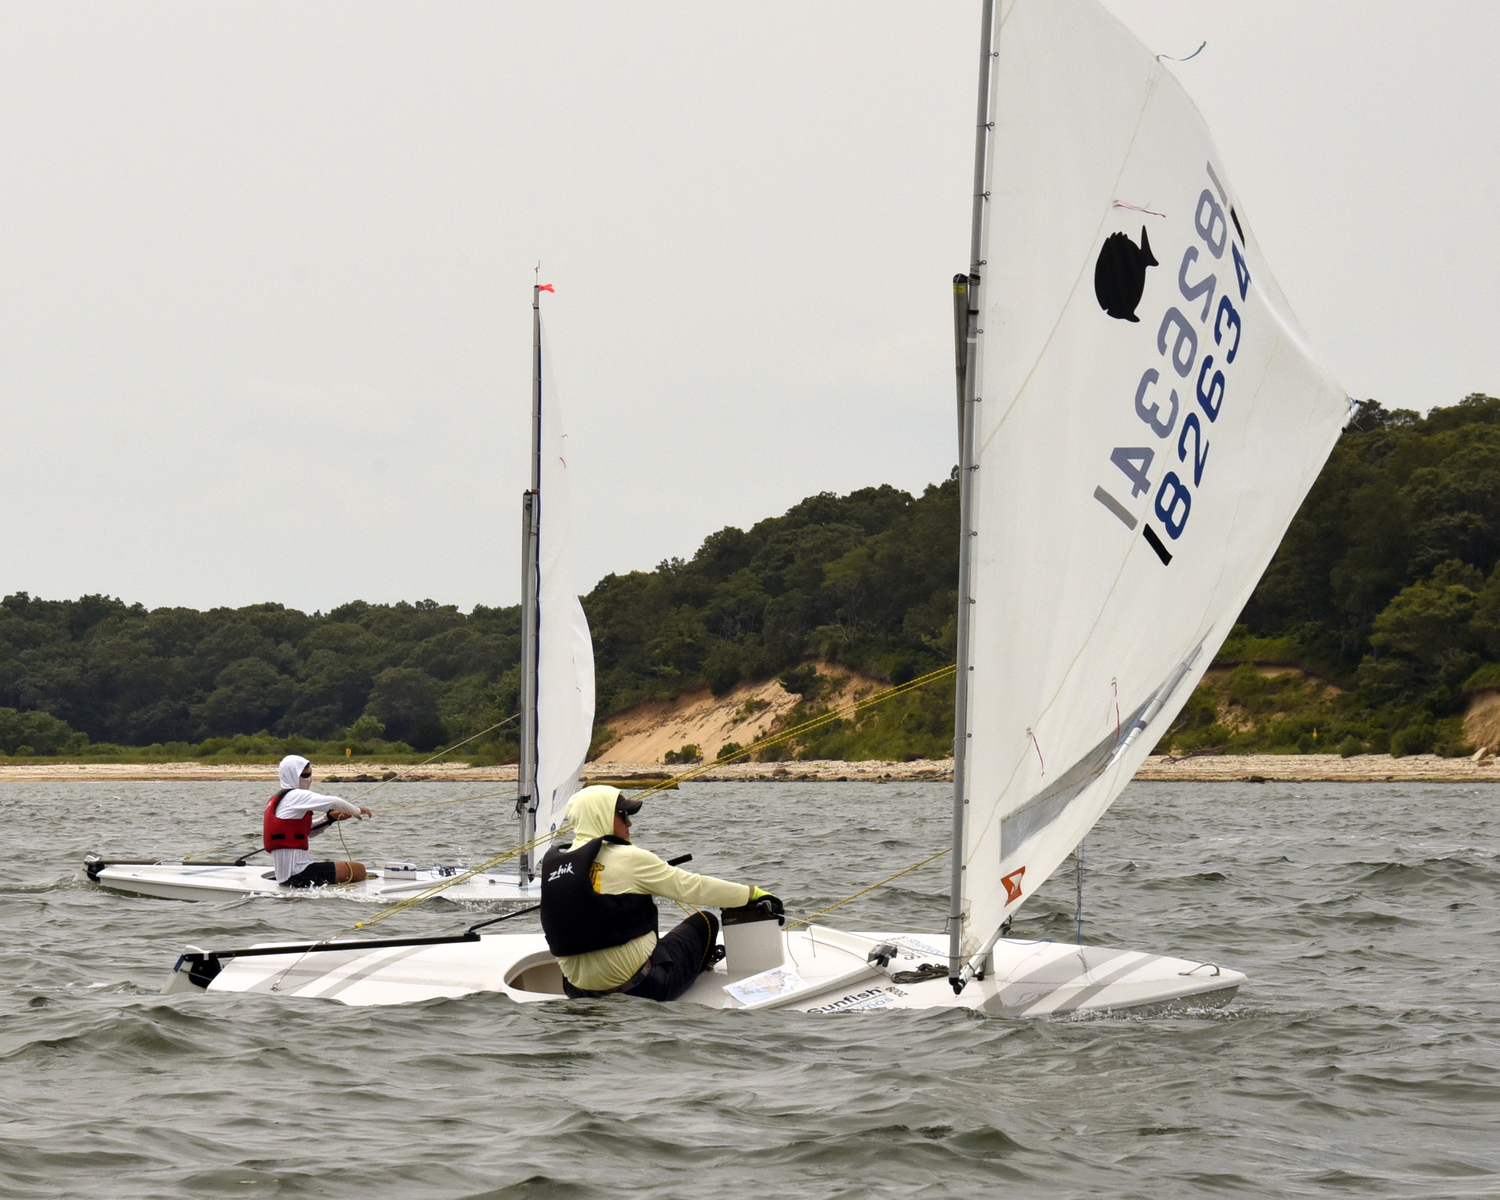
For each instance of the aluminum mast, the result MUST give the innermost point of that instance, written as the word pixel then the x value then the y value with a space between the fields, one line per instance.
pixel 531 512
pixel 967 292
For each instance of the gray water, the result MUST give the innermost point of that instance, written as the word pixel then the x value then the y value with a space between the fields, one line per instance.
pixel 1363 1058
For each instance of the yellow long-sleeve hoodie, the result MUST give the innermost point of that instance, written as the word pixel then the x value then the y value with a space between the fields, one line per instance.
pixel 621 870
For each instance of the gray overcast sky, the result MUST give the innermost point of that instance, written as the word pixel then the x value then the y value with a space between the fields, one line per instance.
pixel 265 268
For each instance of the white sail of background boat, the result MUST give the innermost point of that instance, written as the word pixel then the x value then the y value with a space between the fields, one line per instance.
pixel 557 669
pixel 1140 418
pixel 557 705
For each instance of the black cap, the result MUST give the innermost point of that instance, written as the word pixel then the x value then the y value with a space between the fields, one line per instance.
pixel 627 806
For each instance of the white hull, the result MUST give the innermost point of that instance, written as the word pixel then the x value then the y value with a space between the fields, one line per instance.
pixel 1025 979
pixel 187 881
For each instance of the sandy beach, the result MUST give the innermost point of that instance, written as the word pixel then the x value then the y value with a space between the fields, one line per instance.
pixel 1254 768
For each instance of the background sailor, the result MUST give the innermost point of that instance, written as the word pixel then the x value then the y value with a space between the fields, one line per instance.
pixel 289 825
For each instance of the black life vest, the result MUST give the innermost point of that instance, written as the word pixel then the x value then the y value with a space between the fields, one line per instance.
pixel 278 833
pixel 577 919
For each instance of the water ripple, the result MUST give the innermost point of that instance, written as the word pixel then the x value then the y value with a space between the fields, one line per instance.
pixel 1363 1058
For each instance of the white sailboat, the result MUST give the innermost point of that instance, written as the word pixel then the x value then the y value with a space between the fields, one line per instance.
pixel 1139 422
pixel 557 654
pixel 167 879
pixel 557 710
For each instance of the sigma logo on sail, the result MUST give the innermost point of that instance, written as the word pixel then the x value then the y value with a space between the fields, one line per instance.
pixel 1119 277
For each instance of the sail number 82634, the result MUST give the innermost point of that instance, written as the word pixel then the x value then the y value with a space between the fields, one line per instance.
pixel 1177 342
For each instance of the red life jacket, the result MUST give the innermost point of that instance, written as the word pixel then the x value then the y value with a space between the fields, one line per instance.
pixel 278 833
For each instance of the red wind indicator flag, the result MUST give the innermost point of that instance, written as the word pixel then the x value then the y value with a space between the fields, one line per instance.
pixel 545 287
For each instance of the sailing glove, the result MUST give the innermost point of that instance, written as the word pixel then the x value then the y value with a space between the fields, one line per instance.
pixel 768 904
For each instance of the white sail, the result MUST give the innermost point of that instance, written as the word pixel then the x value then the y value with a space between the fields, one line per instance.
pixel 565 652
pixel 1075 621
pixel 1144 436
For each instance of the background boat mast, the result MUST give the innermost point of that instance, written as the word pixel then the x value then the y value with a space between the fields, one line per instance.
pixel 966 325
pixel 531 506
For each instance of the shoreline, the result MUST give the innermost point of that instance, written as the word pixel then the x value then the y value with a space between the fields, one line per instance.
pixel 1226 768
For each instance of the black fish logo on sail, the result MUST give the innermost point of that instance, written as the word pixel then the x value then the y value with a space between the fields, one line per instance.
pixel 1120 274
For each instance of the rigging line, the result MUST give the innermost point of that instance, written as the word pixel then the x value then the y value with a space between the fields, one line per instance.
pixel 440 803
pixel 826 718
pixel 889 878
pixel 838 714
pixel 514 852
pixel 348 857
pixel 426 894
pixel 805 727
pixel 462 877
pixel 687 908
pixel 446 750
pixel 227 848
pixel 366 795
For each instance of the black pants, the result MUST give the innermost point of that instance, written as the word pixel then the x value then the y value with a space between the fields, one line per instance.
pixel 318 874
pixel 679 958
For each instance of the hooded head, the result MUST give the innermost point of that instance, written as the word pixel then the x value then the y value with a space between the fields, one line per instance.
pixel 592 811
pixel 290 772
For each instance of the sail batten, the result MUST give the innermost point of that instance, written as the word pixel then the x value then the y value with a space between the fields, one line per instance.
pixel 1151 419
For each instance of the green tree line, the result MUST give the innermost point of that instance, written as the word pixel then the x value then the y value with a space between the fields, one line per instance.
pixel 1385 586
pixel 102 671
pixel 1385 589
pixel 865 579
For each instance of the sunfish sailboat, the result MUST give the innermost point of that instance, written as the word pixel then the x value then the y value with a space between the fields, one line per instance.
pixel 557 709
pixel 1140 418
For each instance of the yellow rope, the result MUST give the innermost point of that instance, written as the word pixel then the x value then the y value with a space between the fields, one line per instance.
pixel 816 722
pixel 828 718
pixel 807 920
pixel 426 894
pixel 439 803
pixel 227 848
pixel 761 744
pixel 348 858
pixel 436 888
pixel 394 778
pixel 445 750
pixel 462 877
pixel 838 714
pixel 514 851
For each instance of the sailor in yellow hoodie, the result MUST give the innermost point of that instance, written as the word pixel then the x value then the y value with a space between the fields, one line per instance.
pixel 599 914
